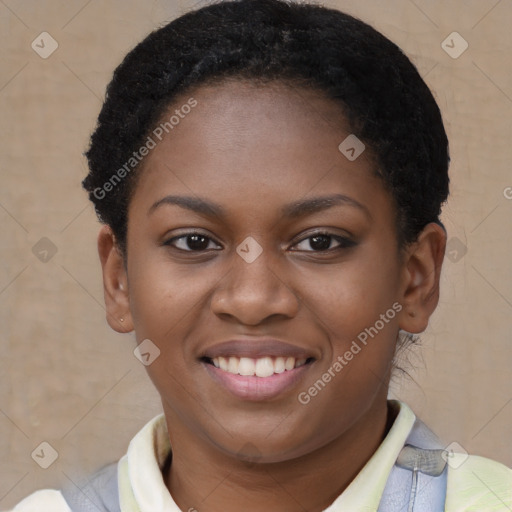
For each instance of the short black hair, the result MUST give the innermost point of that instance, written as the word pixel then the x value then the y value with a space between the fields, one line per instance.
pixel 386 103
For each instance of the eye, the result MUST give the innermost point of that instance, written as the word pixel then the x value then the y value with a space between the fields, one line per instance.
pixel 321 242
pixel 193 242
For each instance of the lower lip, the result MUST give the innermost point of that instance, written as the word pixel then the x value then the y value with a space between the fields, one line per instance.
pixel 257 388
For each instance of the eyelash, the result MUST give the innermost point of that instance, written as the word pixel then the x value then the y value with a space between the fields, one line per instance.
pixel 186 235
pixel 344 242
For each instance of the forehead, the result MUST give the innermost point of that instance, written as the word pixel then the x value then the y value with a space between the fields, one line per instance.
pixel 251 142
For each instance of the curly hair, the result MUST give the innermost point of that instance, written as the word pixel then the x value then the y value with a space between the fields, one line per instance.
pixel 386 102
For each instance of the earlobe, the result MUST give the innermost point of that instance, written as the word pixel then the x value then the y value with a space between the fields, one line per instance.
pixel 422 273
pixel 115 283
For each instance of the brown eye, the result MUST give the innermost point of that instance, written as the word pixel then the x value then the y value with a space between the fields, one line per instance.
pixel 192 242
pixel 321 242
pixel 197 242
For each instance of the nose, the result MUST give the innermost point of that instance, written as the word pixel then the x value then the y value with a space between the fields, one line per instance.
pixel 252 292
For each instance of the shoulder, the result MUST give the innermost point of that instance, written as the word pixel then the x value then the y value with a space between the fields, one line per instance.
pixel 481 484
pixel 46 500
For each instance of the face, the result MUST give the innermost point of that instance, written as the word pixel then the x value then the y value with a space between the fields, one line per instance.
pixel 263 264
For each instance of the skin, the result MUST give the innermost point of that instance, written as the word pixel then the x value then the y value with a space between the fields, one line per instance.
pixel 253 150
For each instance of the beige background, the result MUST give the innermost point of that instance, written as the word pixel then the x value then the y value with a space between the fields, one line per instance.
pixel 67 379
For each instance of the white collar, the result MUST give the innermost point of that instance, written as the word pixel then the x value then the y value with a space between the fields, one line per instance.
pixel 142 487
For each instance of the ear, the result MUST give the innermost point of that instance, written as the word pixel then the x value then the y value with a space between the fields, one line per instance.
pixel 115 282
pixel 421 275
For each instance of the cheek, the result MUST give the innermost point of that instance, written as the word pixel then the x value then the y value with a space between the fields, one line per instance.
pixel 355 305
pixel 357 310
pixel 163 295
pixel 165 303
pixel 351 297
pixel 169 305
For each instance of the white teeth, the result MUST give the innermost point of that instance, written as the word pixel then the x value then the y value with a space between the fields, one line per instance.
pixel 289 364
pixel 233 365
pixel 260 367
pixel 264 367
pixel 246 366
pixel 279 365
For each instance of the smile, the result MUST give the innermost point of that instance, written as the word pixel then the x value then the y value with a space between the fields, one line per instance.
pixel 256 369
pixel 259 367
pixel 258 379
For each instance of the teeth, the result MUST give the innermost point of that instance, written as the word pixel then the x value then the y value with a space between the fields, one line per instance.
pixel 233 365
pixel 264 367
pixel 245 367
pixel 260 367
pixel 279 365
pixel 289 364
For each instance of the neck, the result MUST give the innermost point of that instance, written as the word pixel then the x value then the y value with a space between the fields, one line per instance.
pixel 200 477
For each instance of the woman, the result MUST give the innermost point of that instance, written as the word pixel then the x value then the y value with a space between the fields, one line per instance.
pixel 270 177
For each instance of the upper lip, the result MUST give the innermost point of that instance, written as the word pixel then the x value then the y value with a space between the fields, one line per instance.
pixel 256 348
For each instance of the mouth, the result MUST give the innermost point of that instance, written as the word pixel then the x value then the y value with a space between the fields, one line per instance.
pixel 256 369
pixel 261 367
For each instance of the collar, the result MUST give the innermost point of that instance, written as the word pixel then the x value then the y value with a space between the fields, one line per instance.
pixel 142 487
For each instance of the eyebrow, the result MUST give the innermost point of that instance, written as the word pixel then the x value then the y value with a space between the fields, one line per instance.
pixel 196 204
pixel 293 210
pixel 316 204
